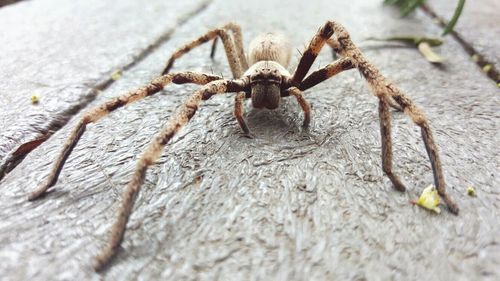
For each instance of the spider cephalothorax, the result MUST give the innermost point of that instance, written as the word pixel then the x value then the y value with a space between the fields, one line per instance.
pixel 265 81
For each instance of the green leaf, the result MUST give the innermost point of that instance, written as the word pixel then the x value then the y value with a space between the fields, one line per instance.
pixel 392 2
pixel 454 19
pixel 410 6
pixel 410 39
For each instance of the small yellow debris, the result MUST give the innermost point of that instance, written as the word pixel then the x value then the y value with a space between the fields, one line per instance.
pixel 475 57
pixel 198 179
pixel 471 191
pixel 35 99
pixel 429 199
pixel 487 68
pixel 498 84
pixel 116 75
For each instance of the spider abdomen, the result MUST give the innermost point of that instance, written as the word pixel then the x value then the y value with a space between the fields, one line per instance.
pixel 270 47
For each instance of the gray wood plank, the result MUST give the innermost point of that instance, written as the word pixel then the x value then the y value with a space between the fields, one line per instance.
pixel 63 51
pixel 289 204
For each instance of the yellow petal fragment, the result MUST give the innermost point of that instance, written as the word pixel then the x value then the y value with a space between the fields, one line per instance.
pixel 35 99
pixel 471 191
pixel 116 75
pixel 487 68
pixel 429 199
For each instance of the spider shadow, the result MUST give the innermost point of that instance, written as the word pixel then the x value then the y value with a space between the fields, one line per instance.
pixel 271 125
pixel 50 194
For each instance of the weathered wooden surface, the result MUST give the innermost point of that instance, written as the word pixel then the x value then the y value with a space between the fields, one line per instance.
pixel 65 52
pixel 288 205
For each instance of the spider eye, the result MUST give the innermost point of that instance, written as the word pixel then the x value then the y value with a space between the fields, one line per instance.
pixel 265 76
pixel 265 81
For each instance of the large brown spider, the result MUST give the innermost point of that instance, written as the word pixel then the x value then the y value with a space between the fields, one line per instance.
pixel 265 81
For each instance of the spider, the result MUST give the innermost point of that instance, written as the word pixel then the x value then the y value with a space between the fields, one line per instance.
pixel 264 79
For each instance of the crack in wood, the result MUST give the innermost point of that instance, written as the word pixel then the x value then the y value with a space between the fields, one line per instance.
pixel 480 60
pixel 8 2
pixel 17 156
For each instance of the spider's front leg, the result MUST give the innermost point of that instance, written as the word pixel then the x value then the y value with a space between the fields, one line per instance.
pixel 97 113
pixel 294 91
pixel 418 117
pixel 386 91
pixel 238 113
pixel 151 154
pixel 385 132
pixel 344 63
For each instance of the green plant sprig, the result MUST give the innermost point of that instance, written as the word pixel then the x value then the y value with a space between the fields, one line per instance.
pixel 408 6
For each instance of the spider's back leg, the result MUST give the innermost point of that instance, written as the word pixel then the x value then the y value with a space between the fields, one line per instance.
pixel 385 132
pixel 386 91
pixel 233 47
pixel 238 41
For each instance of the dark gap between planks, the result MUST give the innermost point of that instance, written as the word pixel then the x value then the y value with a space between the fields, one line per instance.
pixel 20 153
pixel 479 59
pixel 8 2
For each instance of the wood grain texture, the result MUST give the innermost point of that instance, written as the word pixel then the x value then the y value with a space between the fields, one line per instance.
pixel 290 204
pixel 65 53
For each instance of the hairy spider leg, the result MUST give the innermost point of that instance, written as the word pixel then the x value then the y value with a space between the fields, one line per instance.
pixel 337 49
pixel 238 40
pixel 381 87
pixel 326 72
pixel 234 50
pixel 334 44
pixel 235 53
pixel 332 69
pixel 297 93
pixel 238 112
pixel 385 132
pixel 97 113
pixel 151 154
